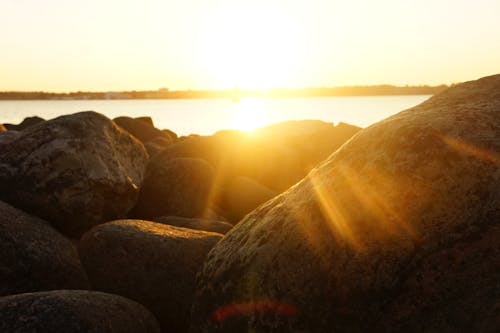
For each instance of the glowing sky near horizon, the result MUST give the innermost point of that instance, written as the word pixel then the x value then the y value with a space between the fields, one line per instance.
pixel 63 45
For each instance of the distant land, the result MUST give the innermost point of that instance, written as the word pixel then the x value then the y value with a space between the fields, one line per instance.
pixel 165 93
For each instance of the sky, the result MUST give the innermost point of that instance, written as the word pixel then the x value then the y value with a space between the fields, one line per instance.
pixel 97 45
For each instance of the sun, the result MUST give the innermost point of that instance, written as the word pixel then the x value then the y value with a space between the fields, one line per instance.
pixel 251 46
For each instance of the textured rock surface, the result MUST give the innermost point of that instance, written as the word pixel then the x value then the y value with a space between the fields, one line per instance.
pixel 220 227
pixel 179 187
pixel 34 257
pixel 157 145
pixel 151 263
pixel 27 122
pixel 397 231
pixel 75 171
pixel 74 311
pixel 8 136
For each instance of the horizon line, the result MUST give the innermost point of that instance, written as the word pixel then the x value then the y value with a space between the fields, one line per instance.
pixel 175 90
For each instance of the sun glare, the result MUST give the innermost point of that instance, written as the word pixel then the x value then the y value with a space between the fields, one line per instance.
pixel 250 46
pixel 249 114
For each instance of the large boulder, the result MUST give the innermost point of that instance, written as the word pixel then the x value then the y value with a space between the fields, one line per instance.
pixel 220 227
pixel 151 263
pixel 74 311
pixel 233 153
pixel 180 187
pixel 397 231
pixel 27 122
pixel 35 257
pixel 75 171
pixel 276 156
pixel 240 196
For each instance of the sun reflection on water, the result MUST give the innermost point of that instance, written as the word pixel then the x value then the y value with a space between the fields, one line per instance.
pixel 249 114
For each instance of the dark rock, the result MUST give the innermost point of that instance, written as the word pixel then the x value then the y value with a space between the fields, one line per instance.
pixel 179 187
pixel 141 129
pixel 211 214
pixel 157 145
pixel 151 263
pixel 147 120
pixel 34 257
pixel 220 227
pixel 241 195
pixel 398 231
pixel 26 123
pixel 8 136
pixel 170 133
pixel 74 171
pixel 74 311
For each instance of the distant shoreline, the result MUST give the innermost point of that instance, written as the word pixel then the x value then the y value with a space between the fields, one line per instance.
pixel 235 94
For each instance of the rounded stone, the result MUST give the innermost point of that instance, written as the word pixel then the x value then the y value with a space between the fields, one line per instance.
pixel 74 311
pixel 398 230
pixel 74 171
pixel 35 257
pixel 151 263
pixel 179 187
pixel 220 227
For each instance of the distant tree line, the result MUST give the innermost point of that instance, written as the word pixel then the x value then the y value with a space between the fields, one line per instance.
pixel 164 93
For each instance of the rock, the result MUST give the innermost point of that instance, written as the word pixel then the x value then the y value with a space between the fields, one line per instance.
pixel 269 162
pixel 397 231
pixel 8 136
pixel 2 128
pixel 151 263
pixel 313 140
pixel 317 146
pixel 157 145
pixel 139 128
pixel 170 133
pixel 74 171
pixel 233 153
pixel 220 227
pixel 293 128
pixel 241 195
pixel 179 187
pixel 74 311
pixel 27 122
pixel 211 214
pixel 147 120
pixel 34 257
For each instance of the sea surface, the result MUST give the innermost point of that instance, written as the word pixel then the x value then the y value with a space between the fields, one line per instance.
pixel 206 116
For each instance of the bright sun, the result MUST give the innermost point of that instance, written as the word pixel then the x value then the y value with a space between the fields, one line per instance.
pixel 250 46
pixel 249 114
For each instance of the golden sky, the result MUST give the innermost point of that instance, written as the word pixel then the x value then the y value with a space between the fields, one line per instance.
pixel 67 45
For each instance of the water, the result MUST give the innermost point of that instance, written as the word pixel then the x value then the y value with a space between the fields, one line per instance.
pixel 206 116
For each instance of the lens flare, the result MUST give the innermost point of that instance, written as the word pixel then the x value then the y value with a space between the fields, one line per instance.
pixel 250 308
